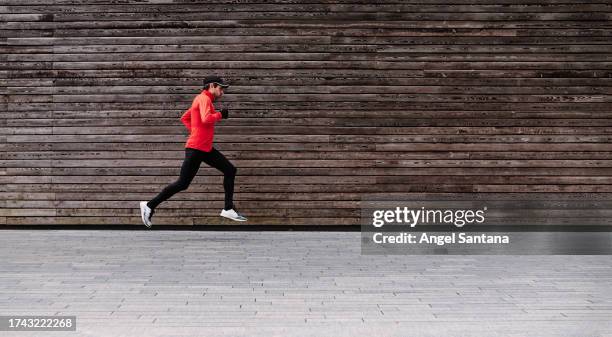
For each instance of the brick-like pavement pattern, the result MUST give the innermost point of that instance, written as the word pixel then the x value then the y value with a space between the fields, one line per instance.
pixel 247 283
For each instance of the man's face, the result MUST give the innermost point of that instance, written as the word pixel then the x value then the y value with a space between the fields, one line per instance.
pixel 217 91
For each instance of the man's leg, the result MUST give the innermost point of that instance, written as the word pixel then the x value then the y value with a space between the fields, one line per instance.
pixel 190 167
pixel 217 160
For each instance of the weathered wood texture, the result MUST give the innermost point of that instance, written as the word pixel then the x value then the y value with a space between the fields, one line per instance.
pixel 330 100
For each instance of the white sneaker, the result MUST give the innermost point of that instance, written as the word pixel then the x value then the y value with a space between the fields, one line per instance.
pixel 145 214
pixel 232 214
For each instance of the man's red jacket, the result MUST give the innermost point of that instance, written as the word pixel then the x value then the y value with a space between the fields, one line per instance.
pixel 200 120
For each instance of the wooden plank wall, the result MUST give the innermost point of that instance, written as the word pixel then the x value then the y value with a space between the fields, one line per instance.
pixel 330 100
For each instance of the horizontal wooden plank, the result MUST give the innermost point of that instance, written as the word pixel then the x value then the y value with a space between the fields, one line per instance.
pixel 326 146
pixel 372 131
pixel 45 21
pixel 170 173
pixel 176 162
pixel 160 138
pixel 182 209
pixel 197 74
pixel 336 16
pixel 212 209
pixel 313 163
pixel 287 99
pixel 257 84
pixel 105 153
pixel 405 189
pixel 27 195
pixel 400 123
pixel 321 117
pixel 12 212
pixel 387 41
pixel 536 147
pixel 46 220
pixel 24 185
pixel 335 106
pixel 187 221
pixel 54 41
pixel 205 195
pixel 196 221
pixel 290 28
pixel 280 90
pixel 179 146
pixel 329 2
pixel 295 205
pixel 72 179
pixel 555 217
pixel 304 176
pixel 381 141
pixel 311 8
pixel 308 48
pixel 594 30
pixel 23 17
pixel 440 64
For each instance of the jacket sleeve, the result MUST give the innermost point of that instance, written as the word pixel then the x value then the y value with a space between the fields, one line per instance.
pixel 186 119
pixel 208 113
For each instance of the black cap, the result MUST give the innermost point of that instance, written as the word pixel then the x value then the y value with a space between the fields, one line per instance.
pixel 214 79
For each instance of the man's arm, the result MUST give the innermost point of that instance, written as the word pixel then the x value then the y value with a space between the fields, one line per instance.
pixel 186 119
pixel 208 113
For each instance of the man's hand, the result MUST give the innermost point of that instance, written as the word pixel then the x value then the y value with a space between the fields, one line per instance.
pixel 224 113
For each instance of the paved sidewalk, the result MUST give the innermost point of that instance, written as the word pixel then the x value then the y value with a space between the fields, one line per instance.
pixel 196 283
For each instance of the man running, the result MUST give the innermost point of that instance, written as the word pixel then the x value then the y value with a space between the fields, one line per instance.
pixel 200 120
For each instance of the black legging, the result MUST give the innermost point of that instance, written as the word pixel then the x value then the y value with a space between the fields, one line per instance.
pixel 190 167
